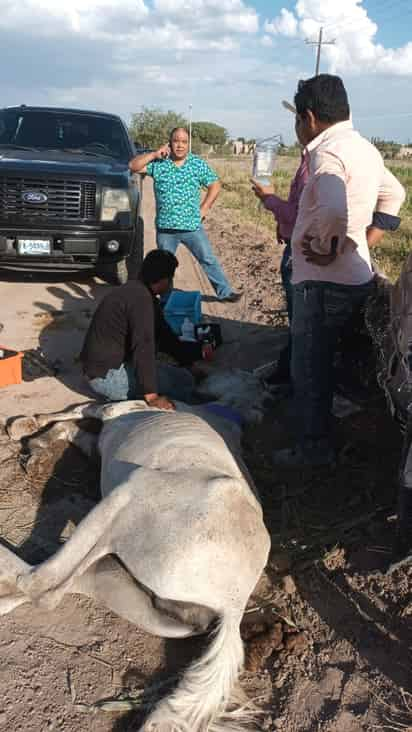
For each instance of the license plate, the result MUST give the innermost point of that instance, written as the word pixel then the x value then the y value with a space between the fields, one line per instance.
pixel 33 246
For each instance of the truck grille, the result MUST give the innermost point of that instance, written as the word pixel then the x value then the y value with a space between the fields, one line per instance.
pixel 66 200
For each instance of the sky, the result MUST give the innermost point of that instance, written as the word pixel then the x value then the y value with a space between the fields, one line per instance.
pixel 233 61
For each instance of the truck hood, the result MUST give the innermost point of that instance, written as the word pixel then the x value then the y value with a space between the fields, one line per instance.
pixel 51 162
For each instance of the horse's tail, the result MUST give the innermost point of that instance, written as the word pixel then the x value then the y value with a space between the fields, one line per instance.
pixel 204 699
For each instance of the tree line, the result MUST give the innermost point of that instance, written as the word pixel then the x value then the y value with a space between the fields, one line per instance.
pixel 151 128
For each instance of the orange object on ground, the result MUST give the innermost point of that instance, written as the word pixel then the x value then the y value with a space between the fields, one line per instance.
pixel 10 367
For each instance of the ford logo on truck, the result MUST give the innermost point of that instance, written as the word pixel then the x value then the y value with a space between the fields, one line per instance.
pixel 34 197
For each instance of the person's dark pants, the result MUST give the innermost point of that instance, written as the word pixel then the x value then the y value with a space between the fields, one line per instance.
pixel 284 361
pixel 320 311
pixel 286 275
pixel 405 493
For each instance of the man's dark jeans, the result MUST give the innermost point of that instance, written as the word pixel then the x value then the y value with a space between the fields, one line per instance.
pixel 283 365
pixel 286 275
pixel 320 310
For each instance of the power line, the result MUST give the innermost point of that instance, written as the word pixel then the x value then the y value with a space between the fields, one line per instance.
pixel 398 11
pixel 349 25
pixel 376 9
pixel 385 116
pixel 319 43
pixel 388 6
pixel 346 23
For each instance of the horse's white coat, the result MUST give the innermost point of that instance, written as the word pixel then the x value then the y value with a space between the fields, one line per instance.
pixel 181 515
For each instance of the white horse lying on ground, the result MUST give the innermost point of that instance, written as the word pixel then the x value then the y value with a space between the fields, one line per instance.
pixel 176 546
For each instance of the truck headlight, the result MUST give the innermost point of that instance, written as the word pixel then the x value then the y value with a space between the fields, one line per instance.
pixel 115 200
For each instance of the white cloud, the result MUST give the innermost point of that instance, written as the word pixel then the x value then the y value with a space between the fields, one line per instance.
pixel 355 49
pixel 216 15
pixel 267 41
pixel 92 17
pixel 181 24
pixel 120 55
pixel 286 24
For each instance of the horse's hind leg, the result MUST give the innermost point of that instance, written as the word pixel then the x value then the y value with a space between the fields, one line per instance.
pixel 90 542
pixel 109 582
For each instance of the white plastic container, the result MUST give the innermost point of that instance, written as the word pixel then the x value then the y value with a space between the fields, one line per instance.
pixel 188 330
pixel 264 160
pixel 180 305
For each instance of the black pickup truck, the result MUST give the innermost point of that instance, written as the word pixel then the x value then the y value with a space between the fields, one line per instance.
pixel 67 198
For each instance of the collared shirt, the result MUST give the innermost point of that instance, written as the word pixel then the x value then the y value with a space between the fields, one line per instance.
pixel 286 212
pixel 177 191
pixel 129 326
pixel 347 184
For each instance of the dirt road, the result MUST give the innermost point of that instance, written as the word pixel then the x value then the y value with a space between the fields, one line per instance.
pixel 52 312
pixel 338 653
pixel 80 652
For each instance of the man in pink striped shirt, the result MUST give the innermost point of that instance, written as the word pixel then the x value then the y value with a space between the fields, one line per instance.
pixel 349 201
pixel 285 213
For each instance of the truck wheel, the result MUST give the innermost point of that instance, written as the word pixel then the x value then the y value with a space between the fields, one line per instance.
pixel 114 273
pixel 118 273
pixel 121 273
pixel 135 259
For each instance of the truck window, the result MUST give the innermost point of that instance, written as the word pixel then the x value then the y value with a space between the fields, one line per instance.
pixel 64 131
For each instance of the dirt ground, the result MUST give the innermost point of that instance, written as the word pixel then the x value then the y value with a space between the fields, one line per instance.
pixel 334 650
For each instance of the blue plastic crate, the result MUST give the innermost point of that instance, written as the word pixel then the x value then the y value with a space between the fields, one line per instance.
pixel 180 305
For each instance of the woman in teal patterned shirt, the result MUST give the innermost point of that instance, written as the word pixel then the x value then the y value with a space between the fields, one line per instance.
pixel 178 178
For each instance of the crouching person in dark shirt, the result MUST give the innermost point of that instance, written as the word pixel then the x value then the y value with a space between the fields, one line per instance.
pixel 127 330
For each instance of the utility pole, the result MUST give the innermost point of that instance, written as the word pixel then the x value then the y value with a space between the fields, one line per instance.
pixel 319 43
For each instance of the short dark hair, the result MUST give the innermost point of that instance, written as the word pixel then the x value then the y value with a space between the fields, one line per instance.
pixel 176 129
pixel 158 265
pixel 325 95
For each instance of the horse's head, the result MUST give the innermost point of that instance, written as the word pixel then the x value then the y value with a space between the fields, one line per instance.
pixel 243 391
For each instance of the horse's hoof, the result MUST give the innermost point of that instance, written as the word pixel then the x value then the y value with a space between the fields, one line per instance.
pixel 22 427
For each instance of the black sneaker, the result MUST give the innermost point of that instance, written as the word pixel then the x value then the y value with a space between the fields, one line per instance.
pixel 233 297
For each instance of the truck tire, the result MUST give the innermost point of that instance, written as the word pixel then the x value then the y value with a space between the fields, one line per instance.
pixel 114 273
pixel 135 259
pixel 121 272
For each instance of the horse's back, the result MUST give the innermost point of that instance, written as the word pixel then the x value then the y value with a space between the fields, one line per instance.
pixel 165 441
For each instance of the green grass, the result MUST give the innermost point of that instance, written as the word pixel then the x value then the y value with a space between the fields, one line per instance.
pixel 238 196
pixel 237 191
pixel 394 249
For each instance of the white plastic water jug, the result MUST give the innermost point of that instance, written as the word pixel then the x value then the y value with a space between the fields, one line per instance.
pixel 188 330
pixel 264 160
